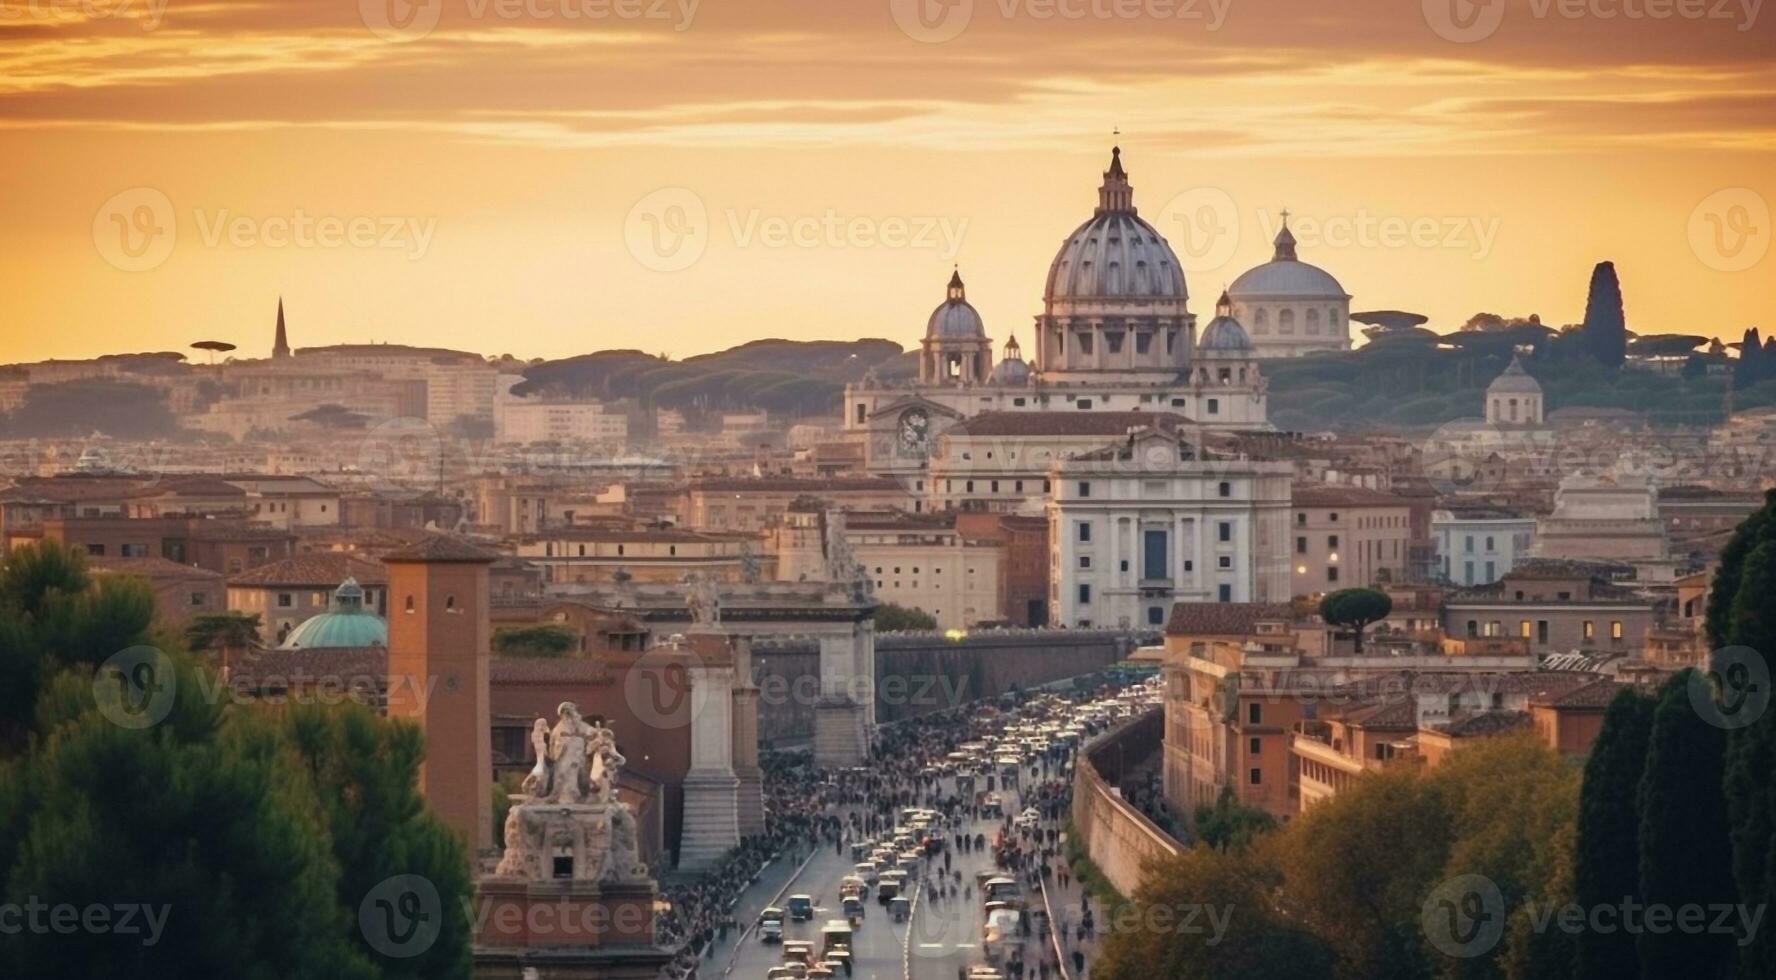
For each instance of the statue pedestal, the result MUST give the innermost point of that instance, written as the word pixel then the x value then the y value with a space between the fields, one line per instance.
pixel 839 738
pixel 565 930
pixel 749 800
pixel 711 818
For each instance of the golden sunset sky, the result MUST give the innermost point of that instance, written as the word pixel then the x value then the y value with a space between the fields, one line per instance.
pixel 552 177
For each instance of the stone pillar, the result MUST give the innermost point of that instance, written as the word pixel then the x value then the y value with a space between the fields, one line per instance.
pixel 750 797
pixel 711 799
pixel 841 718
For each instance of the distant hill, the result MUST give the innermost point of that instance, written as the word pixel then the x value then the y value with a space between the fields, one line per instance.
pixel 798 378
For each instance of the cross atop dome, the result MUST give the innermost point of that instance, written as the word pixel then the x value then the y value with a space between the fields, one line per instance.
pixel 1224 305
pixel 1115 194
pixel 956 290
pixel 1285 242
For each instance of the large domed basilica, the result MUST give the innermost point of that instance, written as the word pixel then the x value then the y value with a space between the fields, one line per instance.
pixel 1115 334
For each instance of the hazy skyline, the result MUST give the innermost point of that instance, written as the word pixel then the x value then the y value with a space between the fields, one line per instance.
pixel 527 177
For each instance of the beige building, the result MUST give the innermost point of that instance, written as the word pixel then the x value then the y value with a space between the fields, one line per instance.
pixel 999 461
pixel 1149 520
pixel 925 562
pixel 1347 538
pixel 181 592
pixel 1558 607
pixel 724 503
pixel 594 555
pixel 1603 518
pixel 524 421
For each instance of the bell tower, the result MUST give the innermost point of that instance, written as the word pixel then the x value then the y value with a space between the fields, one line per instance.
pixel 438 647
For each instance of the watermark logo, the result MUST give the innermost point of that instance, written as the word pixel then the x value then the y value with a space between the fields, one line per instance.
pixel 668 230
pixel 400 20
pixel 1464 21
pixel 135 229
pixel 1464 917
pixel 661 691
pixel 1204 228
pixel 1735 689
pixel 402 457
pixel 1459 457
pixel 402 916
pixel 135 687
pixel 932 21
pixel 1730 229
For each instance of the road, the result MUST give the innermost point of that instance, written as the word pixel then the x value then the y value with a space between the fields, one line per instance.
pixel 940 937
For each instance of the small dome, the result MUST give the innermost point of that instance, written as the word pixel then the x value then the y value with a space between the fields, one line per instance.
pixel 1224 332
pixel 1011 371
pixel 347 624
pixel 955 318
pixel 1514 381
pixel 1286 277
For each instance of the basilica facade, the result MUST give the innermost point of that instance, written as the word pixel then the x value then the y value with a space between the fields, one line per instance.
pixel 1115 335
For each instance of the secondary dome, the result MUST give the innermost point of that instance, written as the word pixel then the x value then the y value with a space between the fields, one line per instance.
pixel 347 624
pixel 1286 277
pixel 1514 381
pixel 1224 332
pixel 955 318
pixel 1013 370
pixel 1115 255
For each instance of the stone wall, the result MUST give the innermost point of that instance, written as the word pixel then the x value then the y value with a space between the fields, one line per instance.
pixel 1118 839
pixel 918 673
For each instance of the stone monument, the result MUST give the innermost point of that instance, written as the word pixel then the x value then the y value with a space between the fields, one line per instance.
pixel 570 897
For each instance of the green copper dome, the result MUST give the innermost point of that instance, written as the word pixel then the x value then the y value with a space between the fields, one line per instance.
pixel 347 624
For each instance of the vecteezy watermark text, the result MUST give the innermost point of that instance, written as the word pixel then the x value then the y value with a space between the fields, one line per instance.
pixel 38 917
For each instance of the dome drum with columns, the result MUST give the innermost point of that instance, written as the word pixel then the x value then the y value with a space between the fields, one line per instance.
pixel 1115 334
pixel 1289 307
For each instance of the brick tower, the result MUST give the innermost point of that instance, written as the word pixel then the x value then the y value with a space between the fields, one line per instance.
pixel 438 647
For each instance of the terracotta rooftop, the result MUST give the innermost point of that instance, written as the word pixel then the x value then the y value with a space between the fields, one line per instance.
pixel 818 486
pixel 1064 423
pixel 318 569
pixel 441 548
pixel 1597 692
pixel 1470 725
pixel 149 568
pixel 1225 618
pixel 1329 495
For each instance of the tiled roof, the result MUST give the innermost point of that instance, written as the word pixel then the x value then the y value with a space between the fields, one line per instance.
pixel 1064 423
pixel 1225 618
pixel 818 486
pixel 1328 495
pixel 318 569
pixel 1466 725
pixel 545 670
pixel 442 548
pixel 363 669
pixel 150 568
pixel 1596 692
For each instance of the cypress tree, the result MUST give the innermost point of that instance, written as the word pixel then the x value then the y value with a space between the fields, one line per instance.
pixel 1749 369
pixel 1741 625
pixel 1606 329
pixel 1684 853
pixel 1605 866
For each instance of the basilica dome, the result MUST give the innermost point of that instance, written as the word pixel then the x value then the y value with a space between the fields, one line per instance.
pixel 1115 254
pixel 1012 370
pixel 347 624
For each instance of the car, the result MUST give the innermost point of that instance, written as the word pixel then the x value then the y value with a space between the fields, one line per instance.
pixel 1029 818
pixel 869 871
pixel 770 925
pixel 801 907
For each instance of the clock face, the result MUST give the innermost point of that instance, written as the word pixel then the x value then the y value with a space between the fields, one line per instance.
pixel 915 429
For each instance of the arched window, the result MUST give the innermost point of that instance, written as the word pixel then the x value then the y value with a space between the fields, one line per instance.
pixel 1261 321
pixel 450 604
pixel 1313 323
pixel 409 604
pixel 1286 323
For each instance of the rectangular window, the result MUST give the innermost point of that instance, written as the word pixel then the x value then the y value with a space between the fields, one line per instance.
pixel 1332 542
pixel 1085 532
pixel 1225 561
pixel 1300 545
pixel 1156 616
pixel 1542 631
pixel 1255 746
pixel 1225 530
pixel 1085 561
pixel 284 600
pixel 1085 593
pixel 1153 555
pixel 1256 776
pixel 1214 406
pixel 1226 593
pixel 1589 629
pixel 1254 713
pixel 1225 489
pixel 1523 629
pixel 1085 488
pixel 1331 573
pixel 1615 629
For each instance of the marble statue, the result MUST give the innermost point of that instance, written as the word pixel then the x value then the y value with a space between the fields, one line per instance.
pixel 570 808
pixel 703 597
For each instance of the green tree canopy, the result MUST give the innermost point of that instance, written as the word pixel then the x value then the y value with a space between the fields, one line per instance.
pixel 891 618
pixel 1355 609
